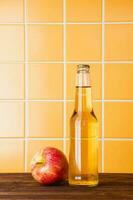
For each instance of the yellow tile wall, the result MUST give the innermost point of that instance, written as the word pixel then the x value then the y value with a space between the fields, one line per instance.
pixel 41 42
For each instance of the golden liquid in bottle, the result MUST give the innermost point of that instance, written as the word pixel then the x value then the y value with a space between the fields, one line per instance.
pixel 83 157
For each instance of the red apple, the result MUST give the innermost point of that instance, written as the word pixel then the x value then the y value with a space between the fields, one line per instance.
pixel 49 166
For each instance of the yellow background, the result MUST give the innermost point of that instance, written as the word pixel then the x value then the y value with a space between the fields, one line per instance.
pixel 41 42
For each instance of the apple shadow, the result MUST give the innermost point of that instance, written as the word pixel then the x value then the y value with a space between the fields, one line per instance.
pixel 60 183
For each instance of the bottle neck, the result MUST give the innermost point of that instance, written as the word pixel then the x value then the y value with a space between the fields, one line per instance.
pixel 83 101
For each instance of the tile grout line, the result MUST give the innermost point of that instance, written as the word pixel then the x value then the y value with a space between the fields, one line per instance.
pixel 64 58
pixel 103 86
pixel 64 100
pixel 69 23
pixel 26 87
pixel 68 62
pixel 60 139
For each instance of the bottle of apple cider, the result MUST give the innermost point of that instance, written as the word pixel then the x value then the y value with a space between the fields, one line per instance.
pixel 83 157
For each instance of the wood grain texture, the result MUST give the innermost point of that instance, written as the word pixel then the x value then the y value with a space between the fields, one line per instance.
pixel 23 187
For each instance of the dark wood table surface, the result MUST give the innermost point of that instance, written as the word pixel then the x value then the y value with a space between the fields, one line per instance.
pixel 22 186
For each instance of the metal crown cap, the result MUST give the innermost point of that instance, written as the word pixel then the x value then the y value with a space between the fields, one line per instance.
pixel 83 67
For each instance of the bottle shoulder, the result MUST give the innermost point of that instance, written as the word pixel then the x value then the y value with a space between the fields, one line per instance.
pixel 84 116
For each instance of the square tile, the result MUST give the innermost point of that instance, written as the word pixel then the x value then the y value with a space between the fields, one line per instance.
pixel 118 81
pixel 45 42
pixel 85 11
pixel 99 154
pixel 12 119
pixel 44 10
pixel 118 119
pixel 119 10
pixel 96 80
pixel 12 156
pixel 118 157
pixel 45 119
pixel 83 42
pixel 12 43
pixel 97 110
pixel 46 81
pixel 11 81
pixel 11 11
pixel 119 42
pixel 35 145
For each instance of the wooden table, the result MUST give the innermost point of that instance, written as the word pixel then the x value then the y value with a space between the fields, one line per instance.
pixel 22 186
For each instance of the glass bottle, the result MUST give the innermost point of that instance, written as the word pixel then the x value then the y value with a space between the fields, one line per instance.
pixel 83 156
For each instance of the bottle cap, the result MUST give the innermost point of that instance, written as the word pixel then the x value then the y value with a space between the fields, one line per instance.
pixel 83 67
